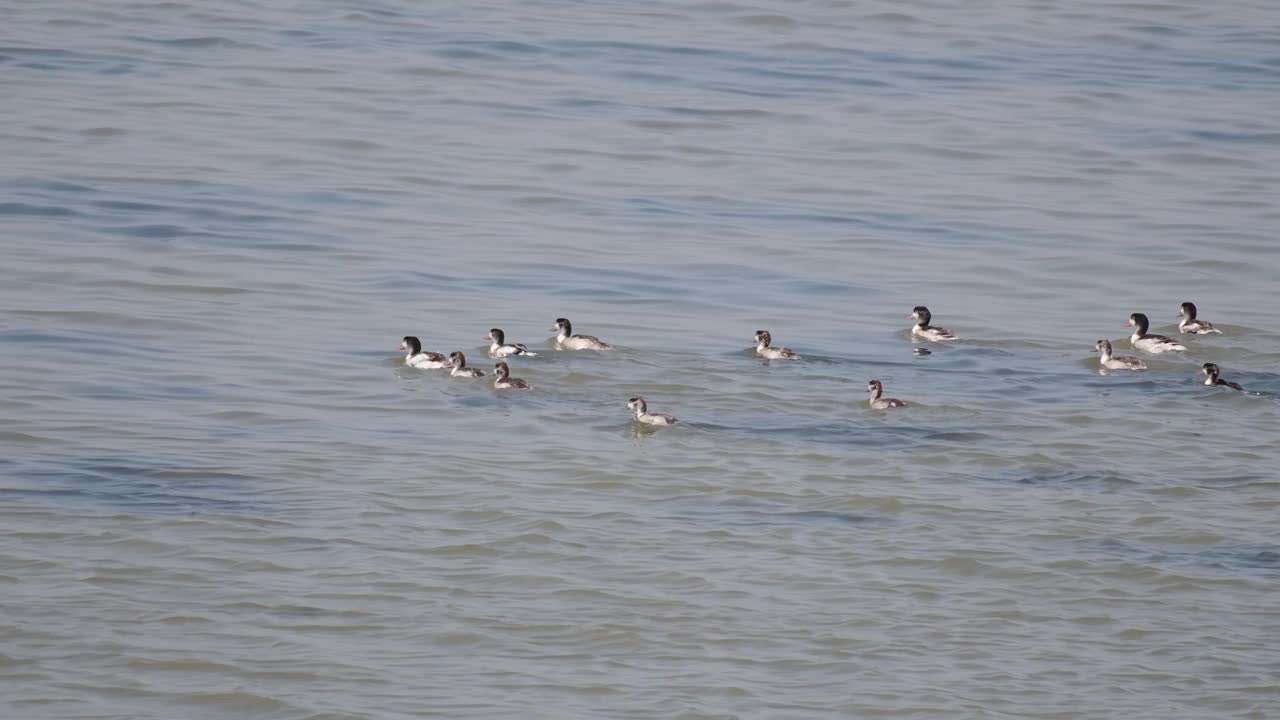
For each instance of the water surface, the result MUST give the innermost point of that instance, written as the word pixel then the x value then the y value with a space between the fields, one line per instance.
pixel 222 495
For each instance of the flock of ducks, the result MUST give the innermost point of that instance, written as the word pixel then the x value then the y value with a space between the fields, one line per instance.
pixel 922 331
pixel 1188 324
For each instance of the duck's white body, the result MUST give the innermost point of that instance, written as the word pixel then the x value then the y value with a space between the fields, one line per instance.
pixel 649 418
pixel 426 360
pixel 932 334
pixel 773 353
pixel 1197 327
pixel 1155 344
pixel 501 351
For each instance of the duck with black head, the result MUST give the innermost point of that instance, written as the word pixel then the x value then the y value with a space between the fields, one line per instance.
pixel 923 330
pixel 1146 342
pixel 500 348
pixel 567 340
pixel 420 359
pixel 1191 325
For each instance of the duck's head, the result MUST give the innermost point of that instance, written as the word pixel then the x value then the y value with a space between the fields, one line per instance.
pixel 1139 323
pixel 457 359
pixel 637 404
pixel 1188 310
pixel 411 344
pixel 920 314
pixel 562 325
pixel 1103 346
pixel 763 337
pixel 874 387
pixel 501 370
pixel 497 335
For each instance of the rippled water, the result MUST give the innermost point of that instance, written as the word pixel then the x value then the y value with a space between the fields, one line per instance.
pixel 222 494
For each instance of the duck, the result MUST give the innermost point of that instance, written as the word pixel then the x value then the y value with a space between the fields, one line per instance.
pixel 641 410
pixel 1117 362
pixel 504 381
pixel 568 341
pixel 882 403
pixel 763 338
pixel 1213 377
pixel 1189 324
pixel 1154 344
pixel 499 348
pixel 419 359
pixel 458 365
pixel 924 330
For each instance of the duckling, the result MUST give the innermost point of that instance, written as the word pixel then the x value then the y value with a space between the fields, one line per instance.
pixel 882 403
pixel 641 410
pixel 1213 377
pixel 504 381
pixel 567 340
pixel 763 338
pixel 1117 362
pixel 458 363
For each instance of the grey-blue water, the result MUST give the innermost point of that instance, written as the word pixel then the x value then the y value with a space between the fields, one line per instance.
pixel 223 495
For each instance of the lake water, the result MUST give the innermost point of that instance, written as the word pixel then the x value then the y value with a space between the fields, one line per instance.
pixel 223 495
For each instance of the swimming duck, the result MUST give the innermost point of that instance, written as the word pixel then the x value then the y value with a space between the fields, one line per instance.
pixel 641 409
pixel 498 347
pixel 1150 343
pixel 458 363
pixel 1117 362
pixel 1213 377
pixel 1189 323
pixel 419 359
pixel 569 341
pixel 763 338
pixel 504 381
pixel 924 330
pixel 882 403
